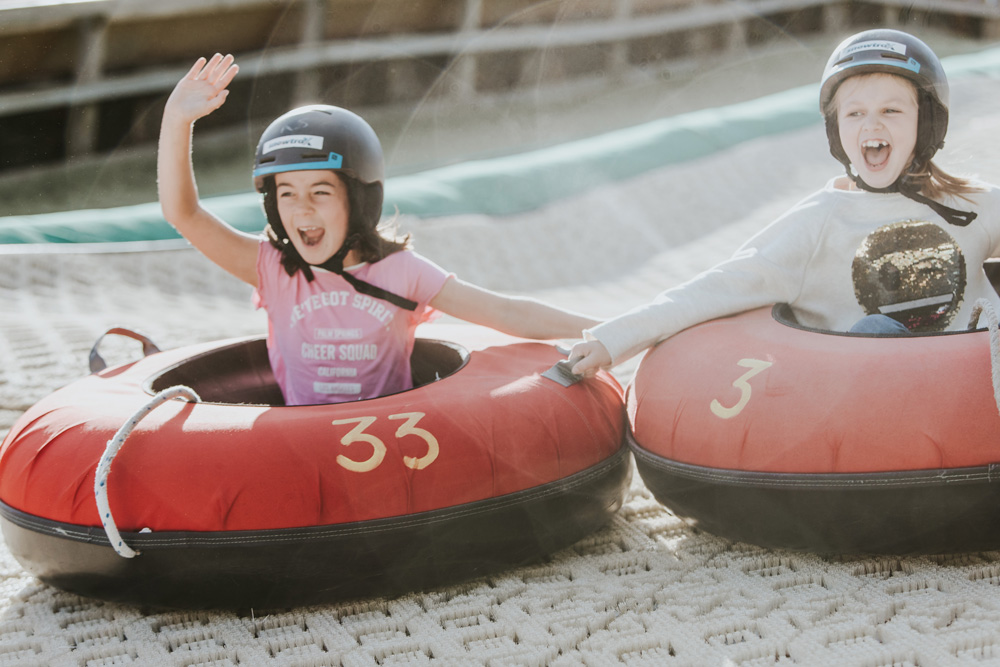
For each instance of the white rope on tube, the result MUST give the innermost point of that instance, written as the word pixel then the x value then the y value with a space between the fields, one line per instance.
pixel 114 445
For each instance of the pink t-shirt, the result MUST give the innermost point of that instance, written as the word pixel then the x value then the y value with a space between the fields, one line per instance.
pixel 328 343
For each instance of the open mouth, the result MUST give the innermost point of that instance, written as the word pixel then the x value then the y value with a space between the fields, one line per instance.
pixel 876 152
pixel 311 235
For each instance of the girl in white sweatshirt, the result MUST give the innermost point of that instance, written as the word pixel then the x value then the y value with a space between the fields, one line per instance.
pixel 894 246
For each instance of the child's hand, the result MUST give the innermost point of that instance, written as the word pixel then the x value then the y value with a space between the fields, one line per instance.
pixel 202 90
pixel 589 357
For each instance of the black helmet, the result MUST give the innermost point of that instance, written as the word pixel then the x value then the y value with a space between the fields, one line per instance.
pixel 319 136
pixel 895 52
pixel 891 52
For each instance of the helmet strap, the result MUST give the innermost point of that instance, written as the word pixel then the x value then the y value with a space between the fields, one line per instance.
pixel 951 215
pixel 336 265
pixel 906 187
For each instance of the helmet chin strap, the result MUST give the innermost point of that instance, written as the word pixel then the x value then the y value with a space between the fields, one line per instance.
pixel 905 187
pixel 335 264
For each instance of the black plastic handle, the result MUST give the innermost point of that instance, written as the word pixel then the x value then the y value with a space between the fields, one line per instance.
pixel 97 363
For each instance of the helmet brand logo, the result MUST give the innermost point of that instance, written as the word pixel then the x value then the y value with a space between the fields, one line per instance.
pixel 895 47
pixel 293 141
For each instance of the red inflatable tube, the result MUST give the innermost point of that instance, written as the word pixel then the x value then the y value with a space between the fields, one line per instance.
pixel 238 501
pixel 760 430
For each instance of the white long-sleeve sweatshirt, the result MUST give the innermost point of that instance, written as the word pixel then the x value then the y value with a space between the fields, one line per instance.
pixel 835 257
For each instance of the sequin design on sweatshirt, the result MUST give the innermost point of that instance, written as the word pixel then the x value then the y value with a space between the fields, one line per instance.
pixel 912 271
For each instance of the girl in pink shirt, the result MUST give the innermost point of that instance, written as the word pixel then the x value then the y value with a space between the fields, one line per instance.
pixel 342 298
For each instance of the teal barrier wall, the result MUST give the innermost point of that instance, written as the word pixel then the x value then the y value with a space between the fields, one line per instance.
pixel 498 186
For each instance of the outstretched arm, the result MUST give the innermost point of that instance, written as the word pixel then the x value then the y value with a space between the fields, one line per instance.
pixel 202 90
pixel 518 316
pixel 589 356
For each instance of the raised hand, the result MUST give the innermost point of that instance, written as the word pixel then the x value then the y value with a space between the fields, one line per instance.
pixel 199 93
pixel 202 90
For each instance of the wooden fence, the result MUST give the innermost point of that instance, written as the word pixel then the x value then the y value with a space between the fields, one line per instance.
pixel 81 76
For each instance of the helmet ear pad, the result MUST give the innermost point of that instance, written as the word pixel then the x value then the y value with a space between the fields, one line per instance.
pixel 276 230
pixel 365 200
pixel 932 125
pixel 833 139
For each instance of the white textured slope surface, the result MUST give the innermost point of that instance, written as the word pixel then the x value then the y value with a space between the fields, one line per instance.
pixel 645 590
